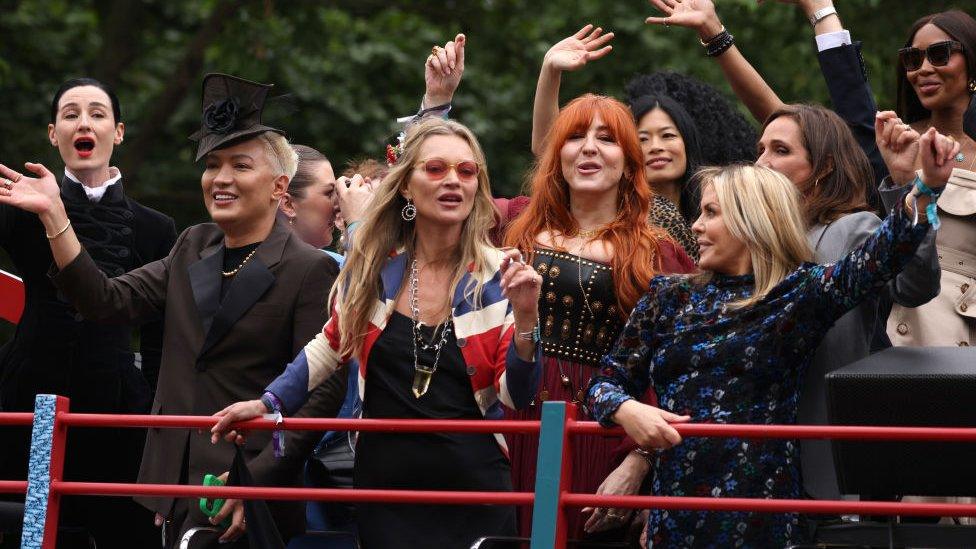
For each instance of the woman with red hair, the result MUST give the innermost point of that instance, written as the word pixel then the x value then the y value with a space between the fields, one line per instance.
pixel 585 230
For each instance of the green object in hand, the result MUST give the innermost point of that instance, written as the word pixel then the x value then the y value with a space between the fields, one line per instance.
pixel 212 508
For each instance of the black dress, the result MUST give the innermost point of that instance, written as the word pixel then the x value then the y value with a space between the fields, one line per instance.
pixel 448 461
pixel 56 351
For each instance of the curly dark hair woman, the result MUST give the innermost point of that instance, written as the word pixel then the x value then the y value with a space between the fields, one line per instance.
pixel 709 109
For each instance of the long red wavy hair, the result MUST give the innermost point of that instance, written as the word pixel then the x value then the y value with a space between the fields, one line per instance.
pixel 636 257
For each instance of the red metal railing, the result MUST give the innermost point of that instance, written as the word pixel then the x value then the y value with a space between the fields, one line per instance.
pixel 548 534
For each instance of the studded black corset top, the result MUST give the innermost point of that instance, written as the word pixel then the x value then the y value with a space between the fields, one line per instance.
pixel 578 306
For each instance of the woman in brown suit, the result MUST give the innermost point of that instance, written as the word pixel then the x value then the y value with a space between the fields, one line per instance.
pixel 239 297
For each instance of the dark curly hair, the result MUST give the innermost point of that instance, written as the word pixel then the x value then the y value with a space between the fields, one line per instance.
pixel 724 133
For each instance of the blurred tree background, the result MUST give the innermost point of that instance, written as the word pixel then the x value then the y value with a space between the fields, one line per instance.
pixel 353 66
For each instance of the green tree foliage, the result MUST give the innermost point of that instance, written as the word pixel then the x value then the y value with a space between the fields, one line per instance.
pixel 351 67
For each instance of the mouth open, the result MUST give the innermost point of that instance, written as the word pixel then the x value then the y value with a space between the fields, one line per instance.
pixel 450 199
pixel 222 198
pixel 588 167
pixel 658 162
pixel 85 146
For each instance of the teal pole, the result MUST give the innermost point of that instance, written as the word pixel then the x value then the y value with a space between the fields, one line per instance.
pixel 552 476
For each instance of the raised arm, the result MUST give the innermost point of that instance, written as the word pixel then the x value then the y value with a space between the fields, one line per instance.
pixel 842 285
pixel 745 81
pixel 568 54
pixel 42 196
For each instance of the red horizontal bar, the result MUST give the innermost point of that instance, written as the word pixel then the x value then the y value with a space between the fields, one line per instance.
pixel 13 486
pixel 307 424
pixel 16 418
pixel 833 507
pixel 319 494
pixel 838 432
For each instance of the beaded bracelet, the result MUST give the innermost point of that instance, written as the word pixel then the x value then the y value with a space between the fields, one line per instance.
pixel 719 44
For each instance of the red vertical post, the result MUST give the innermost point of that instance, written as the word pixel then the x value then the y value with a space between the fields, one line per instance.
pixel 59 443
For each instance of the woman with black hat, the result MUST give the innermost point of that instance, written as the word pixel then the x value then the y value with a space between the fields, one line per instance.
pixel 239 297
pixel 54 349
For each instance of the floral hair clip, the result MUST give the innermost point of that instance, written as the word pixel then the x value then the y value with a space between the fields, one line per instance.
pixel 393 152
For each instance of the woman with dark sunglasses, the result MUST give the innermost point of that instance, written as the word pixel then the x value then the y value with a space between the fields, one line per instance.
pixel 936 82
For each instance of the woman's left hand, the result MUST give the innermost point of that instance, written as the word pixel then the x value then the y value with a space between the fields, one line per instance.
pixel 937 151
pixel 625 480
pixel 521 286
pixel 694 14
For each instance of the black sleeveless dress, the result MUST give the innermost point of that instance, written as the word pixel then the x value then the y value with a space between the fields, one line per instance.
pixel 421 461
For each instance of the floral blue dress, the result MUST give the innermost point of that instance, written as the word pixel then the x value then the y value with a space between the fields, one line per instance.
pixel 722 364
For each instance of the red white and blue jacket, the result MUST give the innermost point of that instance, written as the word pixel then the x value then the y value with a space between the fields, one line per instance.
pixel 484 334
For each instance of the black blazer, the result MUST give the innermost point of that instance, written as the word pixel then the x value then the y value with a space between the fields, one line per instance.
pixel 851 96
pixel 217 353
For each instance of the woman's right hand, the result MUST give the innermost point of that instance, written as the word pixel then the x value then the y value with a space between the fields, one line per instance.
pixel 698 15
pixel 898 144
pixel 239 411
pixel 353 195
pixel 649 426
pixel 39 195
pixel 577 50
pixel 937 152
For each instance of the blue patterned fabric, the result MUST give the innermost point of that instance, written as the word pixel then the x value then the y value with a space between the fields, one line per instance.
pixel 722 364
pixel 39 472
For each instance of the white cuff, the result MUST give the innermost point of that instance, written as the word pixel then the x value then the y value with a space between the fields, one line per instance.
pixel 830 40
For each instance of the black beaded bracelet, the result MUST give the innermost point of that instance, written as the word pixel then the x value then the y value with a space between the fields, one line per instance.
pixel 718 45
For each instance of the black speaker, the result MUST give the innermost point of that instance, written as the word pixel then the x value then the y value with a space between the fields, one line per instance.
pixel 906 386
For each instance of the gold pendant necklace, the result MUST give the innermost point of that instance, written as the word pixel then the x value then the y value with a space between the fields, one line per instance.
pixel 423 372
pixel 228 274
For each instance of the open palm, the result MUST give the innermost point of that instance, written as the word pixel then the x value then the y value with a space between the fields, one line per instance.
pixel 577 50
pixel 683 13
pixel 28 193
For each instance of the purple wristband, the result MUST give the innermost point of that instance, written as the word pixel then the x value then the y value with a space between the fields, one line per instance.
pixel 271 401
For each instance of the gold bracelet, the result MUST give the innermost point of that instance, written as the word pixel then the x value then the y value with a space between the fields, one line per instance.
pixel 59 233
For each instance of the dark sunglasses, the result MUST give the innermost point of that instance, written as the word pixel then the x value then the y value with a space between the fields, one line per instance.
pixel 938 55
pixel 436 169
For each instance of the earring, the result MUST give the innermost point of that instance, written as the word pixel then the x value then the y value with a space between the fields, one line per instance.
pixel 972 86
pixel 409 212
pixel 291 220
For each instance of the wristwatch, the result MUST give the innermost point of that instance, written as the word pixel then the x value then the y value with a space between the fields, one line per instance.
pixel 822 14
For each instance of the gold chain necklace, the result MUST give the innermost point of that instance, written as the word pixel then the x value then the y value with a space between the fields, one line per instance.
pixel 228 274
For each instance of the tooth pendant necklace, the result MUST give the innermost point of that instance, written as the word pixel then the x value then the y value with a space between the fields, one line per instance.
pixel 423 372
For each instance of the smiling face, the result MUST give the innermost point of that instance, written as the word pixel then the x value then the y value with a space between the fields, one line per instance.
pixel 446 200
pixel 781 148
pixel 720 252
pixel 938 87
pixel 314 214
pixel 664 148
pixel 592 161
pixel 240 188
pixel 84 130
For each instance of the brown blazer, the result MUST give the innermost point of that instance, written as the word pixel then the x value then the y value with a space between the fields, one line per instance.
pixel 216 354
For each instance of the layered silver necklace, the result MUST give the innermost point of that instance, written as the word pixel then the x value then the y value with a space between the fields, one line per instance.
pixel 423 372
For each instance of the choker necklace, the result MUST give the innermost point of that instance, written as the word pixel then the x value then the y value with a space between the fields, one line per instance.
pixel 228 274
pixel 423 372
pixel 590 233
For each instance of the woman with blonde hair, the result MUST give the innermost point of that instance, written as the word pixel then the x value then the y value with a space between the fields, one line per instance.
pixel 444 325
pixel 731 344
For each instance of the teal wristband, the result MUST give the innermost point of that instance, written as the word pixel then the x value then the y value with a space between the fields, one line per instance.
pixel 931 211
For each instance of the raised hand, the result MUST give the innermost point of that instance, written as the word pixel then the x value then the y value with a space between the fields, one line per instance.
pixel 521 286
pixel 579 49
pixel 693 14
pixel 38 195
pixel 898 144
pixel 443 71
pixel 937 152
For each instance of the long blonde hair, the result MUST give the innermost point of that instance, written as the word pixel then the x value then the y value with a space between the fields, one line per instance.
pixel 761 208
pixel 383 231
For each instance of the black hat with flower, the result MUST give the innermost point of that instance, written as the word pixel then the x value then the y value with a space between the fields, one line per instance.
pixel 232 110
